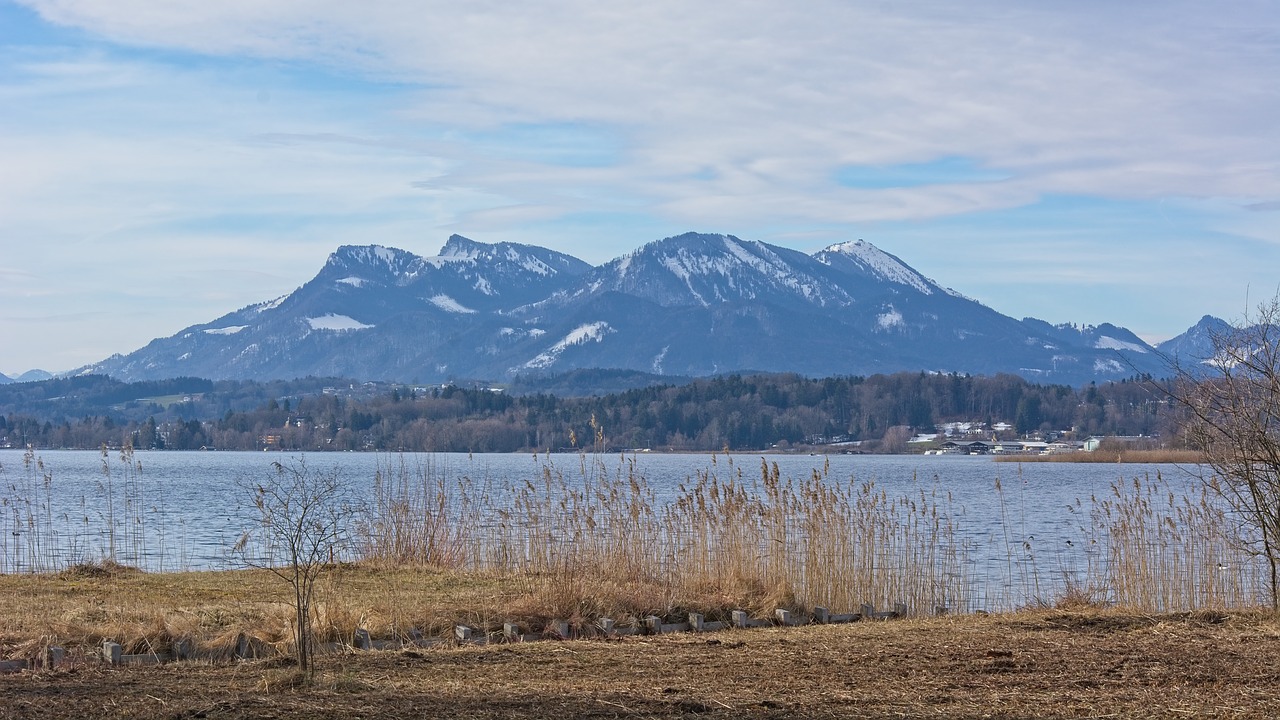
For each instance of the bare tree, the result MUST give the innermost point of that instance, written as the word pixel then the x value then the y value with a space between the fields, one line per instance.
pixel 304 516
pixel 1232 399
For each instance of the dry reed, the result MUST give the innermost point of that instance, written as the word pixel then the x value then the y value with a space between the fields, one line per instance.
pixel 1113 456
pixel 1169 552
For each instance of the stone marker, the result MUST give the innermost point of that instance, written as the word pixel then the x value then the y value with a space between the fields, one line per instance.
pixel 112 652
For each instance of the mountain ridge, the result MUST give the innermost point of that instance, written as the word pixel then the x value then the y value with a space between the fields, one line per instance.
pixel 690 305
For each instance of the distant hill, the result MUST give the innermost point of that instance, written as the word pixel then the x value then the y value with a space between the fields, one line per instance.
pixel 694 305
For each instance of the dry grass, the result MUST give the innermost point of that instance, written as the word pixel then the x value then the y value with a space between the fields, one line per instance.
pixel 588 541
pixel 147 612
pixel 1039 664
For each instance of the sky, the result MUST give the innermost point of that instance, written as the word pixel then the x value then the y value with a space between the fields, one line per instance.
pixel 164 163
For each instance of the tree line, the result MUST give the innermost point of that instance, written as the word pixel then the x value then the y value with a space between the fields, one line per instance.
pixel 752 412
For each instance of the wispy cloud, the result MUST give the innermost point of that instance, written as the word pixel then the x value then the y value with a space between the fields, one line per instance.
pixel 136 132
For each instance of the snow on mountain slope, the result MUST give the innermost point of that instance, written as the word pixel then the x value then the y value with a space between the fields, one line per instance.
pixel 863 258
pixel 589 332
pixel 705 270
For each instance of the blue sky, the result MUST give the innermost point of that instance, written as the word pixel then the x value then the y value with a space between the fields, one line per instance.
pixel 165 163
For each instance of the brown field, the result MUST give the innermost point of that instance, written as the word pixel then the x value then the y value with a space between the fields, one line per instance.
pixel 1071 661
pixel 1035 664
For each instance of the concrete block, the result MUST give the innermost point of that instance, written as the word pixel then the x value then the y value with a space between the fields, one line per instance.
pixel 821 615
pixel 12 666
pixel 695 622
pixel 740 619
pixel 54 656
pixel 362 640
pixel 462 633
pixel 653 624
pixel 783 616
pixel 112 652
pixel 146 659
pixel 868 611
pixel 184 649
pixel 900 609
pixel 560 628
pixel 607 625
pixel 511 632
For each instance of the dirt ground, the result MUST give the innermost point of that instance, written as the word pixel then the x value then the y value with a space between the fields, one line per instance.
pixel 1035 664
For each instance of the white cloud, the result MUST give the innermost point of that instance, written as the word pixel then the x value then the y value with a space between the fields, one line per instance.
pixel 506 120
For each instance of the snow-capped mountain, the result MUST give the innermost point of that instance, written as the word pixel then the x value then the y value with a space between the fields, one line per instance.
pixel 691 305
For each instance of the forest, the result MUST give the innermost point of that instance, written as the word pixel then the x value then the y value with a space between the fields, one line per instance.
pixel 736 412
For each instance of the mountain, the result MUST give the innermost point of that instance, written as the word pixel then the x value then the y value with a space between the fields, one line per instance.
pixel 33 376
pixel 28 376
pixel 1196 344
pixel 691 305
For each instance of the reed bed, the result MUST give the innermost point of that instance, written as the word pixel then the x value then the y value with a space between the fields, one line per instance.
pixel 1112 456
pixel 47 528
pixel 591 541
pixel 1168 552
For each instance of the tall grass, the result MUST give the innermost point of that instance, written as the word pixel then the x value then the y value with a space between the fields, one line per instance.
pixel 30 541
pixel 1169 552
pixel 593 540
pixel 46 530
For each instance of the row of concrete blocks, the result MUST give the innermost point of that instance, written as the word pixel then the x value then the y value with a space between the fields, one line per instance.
pixel 248 647
pixel 606 627
pixel 113 654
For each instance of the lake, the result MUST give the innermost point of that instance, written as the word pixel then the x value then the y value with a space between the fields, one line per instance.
pixel 185 510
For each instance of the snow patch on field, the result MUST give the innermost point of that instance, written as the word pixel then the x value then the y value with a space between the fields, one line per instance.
pixel 1110 343
pixel 336 323
pixel 448 304
pixel 1108 366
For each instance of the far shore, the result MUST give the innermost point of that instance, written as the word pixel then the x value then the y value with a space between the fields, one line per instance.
pixel 1175 457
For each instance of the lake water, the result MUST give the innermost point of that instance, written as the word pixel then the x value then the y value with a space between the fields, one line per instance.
pixel 184 510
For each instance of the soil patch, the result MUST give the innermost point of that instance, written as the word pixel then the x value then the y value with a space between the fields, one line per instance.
pixel 1048 664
